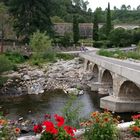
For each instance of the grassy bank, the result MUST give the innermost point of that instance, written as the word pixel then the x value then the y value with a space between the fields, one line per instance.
pixel 119 54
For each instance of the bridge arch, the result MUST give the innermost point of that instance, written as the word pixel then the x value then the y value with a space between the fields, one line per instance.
pixel 107 82
pixel 129 90
pixel 95 72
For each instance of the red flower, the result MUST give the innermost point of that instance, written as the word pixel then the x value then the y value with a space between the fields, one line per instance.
pixel 69 130
pixel 48 124
pixel 59 120
pixel 38 128
pixel 136 128
pixel 52 130
pixel 136 116
pixel 74 139
pixel 50 127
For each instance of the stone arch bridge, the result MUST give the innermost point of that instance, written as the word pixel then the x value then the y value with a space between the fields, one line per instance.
pixel 117 79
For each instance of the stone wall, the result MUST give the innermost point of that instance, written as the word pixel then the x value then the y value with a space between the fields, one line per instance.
pixel 85 29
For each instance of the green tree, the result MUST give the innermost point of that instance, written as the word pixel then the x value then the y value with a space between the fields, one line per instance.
pixel 56 19
pixel 123 7
pixel 3 22
pixel 30 16
pixel 40 42
pixel 95 27
pixel 75 29
pixel 108 21
pixel 120 37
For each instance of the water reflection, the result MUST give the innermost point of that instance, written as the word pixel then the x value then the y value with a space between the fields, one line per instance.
pixel 34 106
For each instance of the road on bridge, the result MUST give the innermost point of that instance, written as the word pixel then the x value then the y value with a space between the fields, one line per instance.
pixel 115 61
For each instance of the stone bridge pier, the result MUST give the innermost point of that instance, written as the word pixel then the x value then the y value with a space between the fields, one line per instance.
pixel 122 94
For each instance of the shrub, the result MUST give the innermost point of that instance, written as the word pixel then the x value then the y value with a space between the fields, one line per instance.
pixel 15 57
pixel 102 44
pixel 119 54
pixel 120 37
pixel 98 44
pixel 54 131
pixel 106 53
pixel 49 55
pixel 64 56
pixel 66 41
pixel 135 128
pixel 39 42
pixel 41 46
pixel 71 111
pixel 101 126
pixel 86 42
pixel 7 130
pixel 5 64
pixel 133 55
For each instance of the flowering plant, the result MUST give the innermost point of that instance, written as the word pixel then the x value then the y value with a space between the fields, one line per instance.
pixel 101 126
pixel 54 131
pixel 7 130
pixel 135 128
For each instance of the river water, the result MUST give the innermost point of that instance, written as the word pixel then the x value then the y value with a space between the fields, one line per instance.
pixel 33 107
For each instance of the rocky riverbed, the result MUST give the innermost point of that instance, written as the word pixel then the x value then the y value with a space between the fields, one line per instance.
pixel 67 75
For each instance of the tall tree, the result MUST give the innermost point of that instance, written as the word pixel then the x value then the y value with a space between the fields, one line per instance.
pixel 75 29
pixel 3 22
pixel 123 7
pixel 108 21
pixel 95 27
pixel 30 16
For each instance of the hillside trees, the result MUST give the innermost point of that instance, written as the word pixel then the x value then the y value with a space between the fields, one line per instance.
pixel 31 15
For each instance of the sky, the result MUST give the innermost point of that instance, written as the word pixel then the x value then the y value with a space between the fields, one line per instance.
pixel 103 3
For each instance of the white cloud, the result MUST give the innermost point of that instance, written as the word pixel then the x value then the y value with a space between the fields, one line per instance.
pixel 93 4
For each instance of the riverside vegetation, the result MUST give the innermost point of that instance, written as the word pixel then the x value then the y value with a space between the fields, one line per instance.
pixel 121 54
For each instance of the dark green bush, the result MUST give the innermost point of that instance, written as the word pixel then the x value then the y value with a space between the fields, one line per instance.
pixel 102 44
pixel 49 55
pixel 15 57
pixel 64 56
pixel 5 64
pixel 64 41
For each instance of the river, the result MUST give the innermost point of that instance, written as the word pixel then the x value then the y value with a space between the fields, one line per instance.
pixel 34 107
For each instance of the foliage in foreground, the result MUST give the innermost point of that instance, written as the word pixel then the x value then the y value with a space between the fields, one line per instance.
pixel 7 130
pixel 101 126
pixel 135 128
pixel 71 111
pixel 54 131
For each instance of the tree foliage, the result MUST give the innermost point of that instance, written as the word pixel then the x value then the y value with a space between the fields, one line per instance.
pixel 95 27
pixel 120 37
pixel 3 22
pixel 30 16
pixel 75 29
pixel 40 42
pixel 108 21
